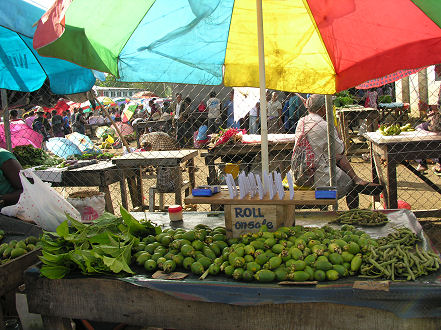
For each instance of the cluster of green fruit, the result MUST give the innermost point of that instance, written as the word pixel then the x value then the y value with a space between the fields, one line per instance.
pixel 291 253
pixel 15 249
pixel 2 234
pixel 395 129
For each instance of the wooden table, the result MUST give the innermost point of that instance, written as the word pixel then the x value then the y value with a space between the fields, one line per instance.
pixel 11 273
pixel 101 175
pixel 137 161
pixel 247 152
pixel 400 149
pixel 231 304
pixel 398 111
pixel 277 212
pixel 347 117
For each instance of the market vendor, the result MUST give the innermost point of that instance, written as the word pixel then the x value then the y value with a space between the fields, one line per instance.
pixel 10 183
pixel 314 126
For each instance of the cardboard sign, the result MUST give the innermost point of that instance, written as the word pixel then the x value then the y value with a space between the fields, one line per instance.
pixel 250 218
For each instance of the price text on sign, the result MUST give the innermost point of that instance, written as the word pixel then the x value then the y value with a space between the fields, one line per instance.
pixel 250 218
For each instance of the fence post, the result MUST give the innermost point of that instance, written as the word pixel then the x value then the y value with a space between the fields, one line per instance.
pixel 7 127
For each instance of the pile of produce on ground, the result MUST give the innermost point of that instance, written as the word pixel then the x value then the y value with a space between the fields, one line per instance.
pixel 366 218
pixel 123 246
pixel 395 129
pixel 28 156
pixel 15 249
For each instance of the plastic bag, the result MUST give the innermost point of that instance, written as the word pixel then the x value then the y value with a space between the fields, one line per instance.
pixel 90 208
pixel 40 203
pixel 303 161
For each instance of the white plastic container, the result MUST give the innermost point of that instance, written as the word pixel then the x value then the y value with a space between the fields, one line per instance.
pixel 175 212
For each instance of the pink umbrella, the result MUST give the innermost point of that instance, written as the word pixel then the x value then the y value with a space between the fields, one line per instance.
pixel 397 75
pixel 124 128
pixel 21 135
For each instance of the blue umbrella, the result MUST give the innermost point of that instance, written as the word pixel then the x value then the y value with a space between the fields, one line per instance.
pixel 62 147
pixel 21 68
pixel 83 142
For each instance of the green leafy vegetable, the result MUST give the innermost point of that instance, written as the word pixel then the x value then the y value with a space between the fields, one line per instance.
pixel 104 247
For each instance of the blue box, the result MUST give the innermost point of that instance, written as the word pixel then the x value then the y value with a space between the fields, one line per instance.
pixel 325 194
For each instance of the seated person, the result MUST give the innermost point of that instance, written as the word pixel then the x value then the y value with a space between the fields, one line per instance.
pixel 315 129
pixel 10 183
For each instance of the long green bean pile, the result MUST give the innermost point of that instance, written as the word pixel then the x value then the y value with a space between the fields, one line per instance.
pixel 361 218
pixel 398 257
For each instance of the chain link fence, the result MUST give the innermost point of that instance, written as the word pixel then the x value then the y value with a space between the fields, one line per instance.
pixel 199 133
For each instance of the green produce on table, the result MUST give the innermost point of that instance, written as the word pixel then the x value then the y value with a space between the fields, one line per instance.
pixel 398 257
pixel 15 249
pixel 28 156
pixel 104 247
pixel 299 254
pixel 358 217
pixel 390 130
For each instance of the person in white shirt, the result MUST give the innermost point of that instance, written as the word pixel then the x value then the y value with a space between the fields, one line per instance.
pixel 214 114
pixel 314 126
pixel 274 113
pixel 254 119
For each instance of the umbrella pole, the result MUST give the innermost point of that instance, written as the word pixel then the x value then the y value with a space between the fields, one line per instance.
pixel 7 127
pixel 123 140
pixel 331 144
pixel 262 85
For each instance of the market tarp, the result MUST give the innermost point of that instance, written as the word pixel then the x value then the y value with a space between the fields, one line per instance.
pixel 62 147
pixel 311 46
pixel 420 298
pixel 21 67
pixel 21 135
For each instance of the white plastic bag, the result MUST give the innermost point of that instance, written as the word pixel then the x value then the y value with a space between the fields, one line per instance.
pixel 90 208
pixel 40 203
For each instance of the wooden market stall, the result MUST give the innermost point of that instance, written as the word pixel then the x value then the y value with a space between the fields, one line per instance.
pixel 11 273
pixel 221 303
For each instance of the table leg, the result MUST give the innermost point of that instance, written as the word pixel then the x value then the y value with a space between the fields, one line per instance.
pixel 392 202
pixel 56 323
pixel 345 132
pixel 191 171
pixel 122 185
pixel 374 171
pixel 131 181
pixel 212 177
pixel 139 188
pixel 107 198
pixel 2 322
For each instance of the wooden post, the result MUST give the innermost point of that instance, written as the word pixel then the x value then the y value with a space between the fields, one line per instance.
pixel 405 90
pixel 6 119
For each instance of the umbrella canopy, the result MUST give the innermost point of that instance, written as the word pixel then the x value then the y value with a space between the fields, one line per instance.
pixel 104 130
pixel 106 100
pixel 83 142
pixel 390 78
pixel 124 128
pixel 312 46
pixel 142 94
pixel 21 135
pixel 129 110
pixel 62 147
pixel 21 68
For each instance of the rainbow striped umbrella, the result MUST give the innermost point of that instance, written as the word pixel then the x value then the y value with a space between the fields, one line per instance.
pixel 313 46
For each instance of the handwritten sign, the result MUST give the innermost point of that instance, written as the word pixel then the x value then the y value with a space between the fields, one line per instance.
pixel 250 218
